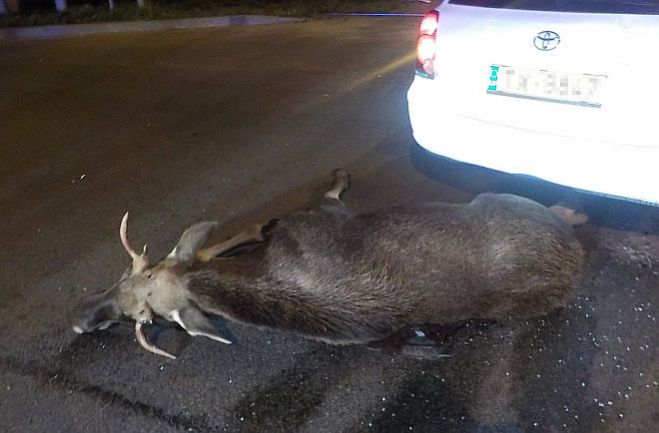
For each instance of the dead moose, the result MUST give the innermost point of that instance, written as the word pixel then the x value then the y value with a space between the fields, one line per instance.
pixel 342 278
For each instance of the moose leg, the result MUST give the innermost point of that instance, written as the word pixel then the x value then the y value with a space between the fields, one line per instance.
pixel 413 342
pixel 340 183
pixel 251 234
pixel 569 215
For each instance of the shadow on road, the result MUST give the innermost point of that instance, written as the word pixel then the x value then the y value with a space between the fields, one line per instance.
pixel 601 210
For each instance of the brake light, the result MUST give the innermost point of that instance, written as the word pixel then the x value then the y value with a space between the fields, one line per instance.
pixel 429 23
pixel 426 45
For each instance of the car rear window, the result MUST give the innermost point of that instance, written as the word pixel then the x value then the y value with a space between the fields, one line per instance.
pixel 645 7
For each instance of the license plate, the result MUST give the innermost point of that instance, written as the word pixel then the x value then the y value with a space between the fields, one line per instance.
pixel 567 88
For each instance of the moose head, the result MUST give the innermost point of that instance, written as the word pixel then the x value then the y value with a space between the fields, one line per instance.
pixel 145 290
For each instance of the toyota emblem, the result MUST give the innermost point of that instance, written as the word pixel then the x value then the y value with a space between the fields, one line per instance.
pixel 547 40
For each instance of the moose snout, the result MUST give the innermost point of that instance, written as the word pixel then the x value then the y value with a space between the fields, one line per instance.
pixel 95 312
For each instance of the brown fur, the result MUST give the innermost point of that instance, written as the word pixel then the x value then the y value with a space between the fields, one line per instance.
pixel 352 279
pixel 342 278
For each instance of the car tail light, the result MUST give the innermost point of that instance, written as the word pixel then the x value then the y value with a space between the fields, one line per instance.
pixel 426 45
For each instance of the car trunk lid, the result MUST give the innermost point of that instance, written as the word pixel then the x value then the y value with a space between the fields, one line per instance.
pixel 476 43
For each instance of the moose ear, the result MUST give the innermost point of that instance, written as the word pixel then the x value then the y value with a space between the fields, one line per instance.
pixel 196 324
pixel 191 241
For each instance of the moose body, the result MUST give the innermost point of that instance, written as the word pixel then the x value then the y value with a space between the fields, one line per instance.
pixel 355 279
pixel 342 278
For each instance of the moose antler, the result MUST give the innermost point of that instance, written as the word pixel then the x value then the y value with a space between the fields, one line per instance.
pixel 140 261
pixel 148 346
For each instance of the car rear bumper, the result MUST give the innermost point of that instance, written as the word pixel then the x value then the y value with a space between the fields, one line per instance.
pixel 623 171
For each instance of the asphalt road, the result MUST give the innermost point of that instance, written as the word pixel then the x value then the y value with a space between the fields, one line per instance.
pixel 238 124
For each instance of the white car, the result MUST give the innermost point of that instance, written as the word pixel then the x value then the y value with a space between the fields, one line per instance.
pixel 566 91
